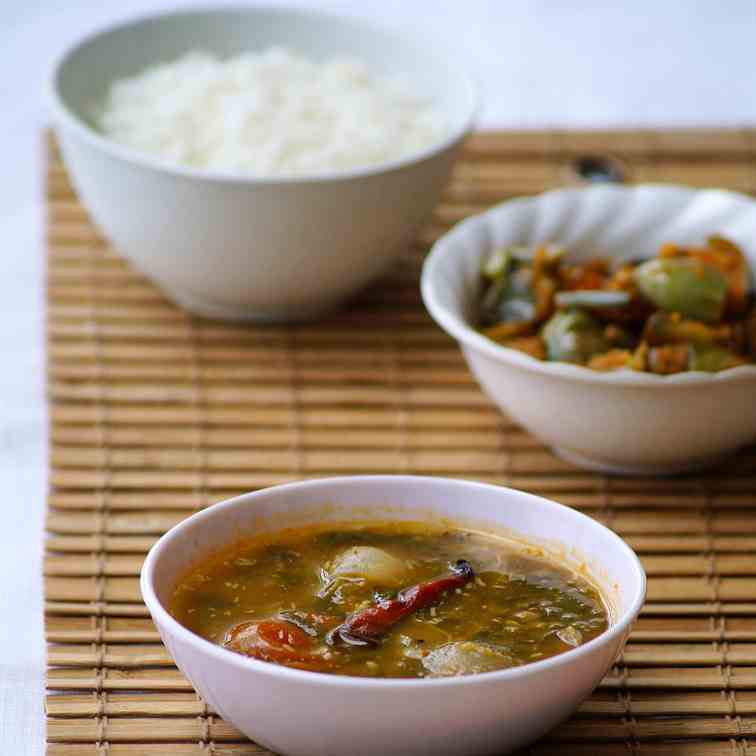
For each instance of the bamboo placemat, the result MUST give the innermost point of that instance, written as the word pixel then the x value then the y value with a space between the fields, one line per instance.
pixel 155 414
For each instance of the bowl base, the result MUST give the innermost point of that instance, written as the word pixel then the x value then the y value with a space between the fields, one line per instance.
pixel 611 468
pixel 244 313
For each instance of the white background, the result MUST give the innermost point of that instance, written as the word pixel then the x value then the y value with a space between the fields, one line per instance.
pixel 541 64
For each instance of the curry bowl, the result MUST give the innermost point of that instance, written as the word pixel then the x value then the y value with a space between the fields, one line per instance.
pixel 223 243
pixel 621 421
pixel 308 713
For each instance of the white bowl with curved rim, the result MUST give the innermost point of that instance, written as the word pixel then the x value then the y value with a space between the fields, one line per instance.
pixel 623 421
pixel 228 245
pixel 315 714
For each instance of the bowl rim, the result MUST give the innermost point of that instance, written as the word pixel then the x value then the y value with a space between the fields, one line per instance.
pixel 166 621
pixel 62 114
pixel 456 326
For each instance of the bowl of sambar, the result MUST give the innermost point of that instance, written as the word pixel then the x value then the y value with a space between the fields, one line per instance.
pixel 376 613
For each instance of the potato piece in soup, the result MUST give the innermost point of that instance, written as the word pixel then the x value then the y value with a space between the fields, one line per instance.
pixel 373 565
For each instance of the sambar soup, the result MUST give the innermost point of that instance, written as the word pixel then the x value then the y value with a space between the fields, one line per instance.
pixel 393 599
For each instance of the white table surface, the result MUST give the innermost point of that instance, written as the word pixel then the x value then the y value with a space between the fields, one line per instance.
pixel 541 64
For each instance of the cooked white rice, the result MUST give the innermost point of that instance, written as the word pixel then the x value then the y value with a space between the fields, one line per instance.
pixel 269 114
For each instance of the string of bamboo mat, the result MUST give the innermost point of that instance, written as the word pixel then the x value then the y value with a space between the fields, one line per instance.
pixel 155 414
pixel 204 728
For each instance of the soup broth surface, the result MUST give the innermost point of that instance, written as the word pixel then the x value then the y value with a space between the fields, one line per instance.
pixel 320 598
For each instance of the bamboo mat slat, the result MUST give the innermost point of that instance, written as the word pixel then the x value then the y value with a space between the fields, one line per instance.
pixel 155 414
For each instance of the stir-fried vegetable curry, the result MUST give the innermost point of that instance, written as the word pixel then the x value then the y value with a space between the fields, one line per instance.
pixel 389 600
pixel 689 308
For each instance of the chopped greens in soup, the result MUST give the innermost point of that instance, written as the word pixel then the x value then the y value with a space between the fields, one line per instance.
pixel 389 600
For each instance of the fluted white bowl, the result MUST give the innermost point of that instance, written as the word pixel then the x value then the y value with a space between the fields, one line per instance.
pixel 623 421
pixel 228 245
pixel 302 713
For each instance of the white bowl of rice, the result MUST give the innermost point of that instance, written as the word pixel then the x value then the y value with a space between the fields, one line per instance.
pixel 259 163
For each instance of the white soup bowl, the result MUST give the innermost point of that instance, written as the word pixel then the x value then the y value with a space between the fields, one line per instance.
pixel 315 714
